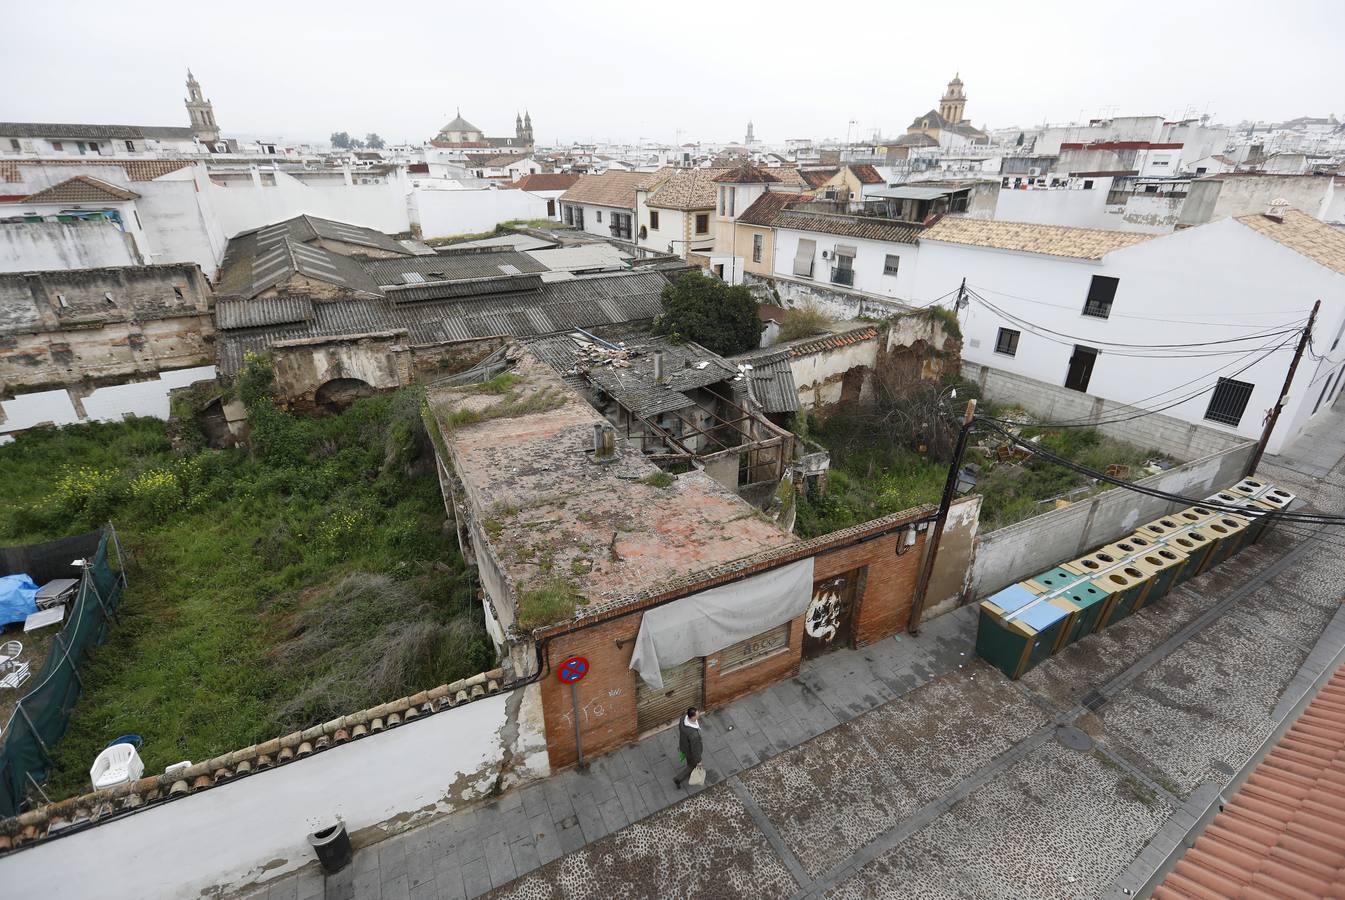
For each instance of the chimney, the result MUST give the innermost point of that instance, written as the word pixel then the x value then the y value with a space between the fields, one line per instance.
pixel 604 440
pixel 658 366
pixel 1278 207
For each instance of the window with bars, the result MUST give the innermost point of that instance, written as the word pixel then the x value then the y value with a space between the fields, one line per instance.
pixel 890 263
pixel 758 246
pixel 1101 293
pixel 1007 342
pixel 1229 401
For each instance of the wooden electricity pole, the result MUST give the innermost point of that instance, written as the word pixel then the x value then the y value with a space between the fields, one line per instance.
pixel 932 539
pixel 1284 393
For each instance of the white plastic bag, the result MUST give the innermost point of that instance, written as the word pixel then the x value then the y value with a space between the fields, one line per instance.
pixel 697 776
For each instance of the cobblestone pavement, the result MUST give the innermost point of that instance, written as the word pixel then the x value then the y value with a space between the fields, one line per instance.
pixel 910 769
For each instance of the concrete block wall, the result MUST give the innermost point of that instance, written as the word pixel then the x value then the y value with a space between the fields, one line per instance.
pixel 1174 437
pixel 1027 548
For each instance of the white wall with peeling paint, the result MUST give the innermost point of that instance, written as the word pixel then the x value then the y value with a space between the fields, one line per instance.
pixel 256 828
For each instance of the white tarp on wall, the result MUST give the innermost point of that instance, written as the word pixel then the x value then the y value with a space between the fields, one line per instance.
pixel 707 622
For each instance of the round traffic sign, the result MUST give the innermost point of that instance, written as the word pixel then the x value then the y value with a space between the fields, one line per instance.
pixel 573 669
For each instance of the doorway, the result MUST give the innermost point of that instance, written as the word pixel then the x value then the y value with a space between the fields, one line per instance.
pixel 683 686
pixel 1080 368
pixel 828 622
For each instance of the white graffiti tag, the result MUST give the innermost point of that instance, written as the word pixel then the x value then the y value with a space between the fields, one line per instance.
pixel 824 614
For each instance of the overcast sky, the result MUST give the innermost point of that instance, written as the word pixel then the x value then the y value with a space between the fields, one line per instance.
pixel 666 72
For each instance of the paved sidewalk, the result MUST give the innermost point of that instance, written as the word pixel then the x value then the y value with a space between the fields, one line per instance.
pixel 487 846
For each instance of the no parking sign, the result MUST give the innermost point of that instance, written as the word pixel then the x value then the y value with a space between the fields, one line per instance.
pixel 573 669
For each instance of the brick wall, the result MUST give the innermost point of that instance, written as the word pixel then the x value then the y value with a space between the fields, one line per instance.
pixel 607 696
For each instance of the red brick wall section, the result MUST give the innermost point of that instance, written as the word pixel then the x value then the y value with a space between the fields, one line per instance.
pixel 607 694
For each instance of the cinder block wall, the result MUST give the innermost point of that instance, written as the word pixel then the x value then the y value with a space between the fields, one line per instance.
pixel 1179 439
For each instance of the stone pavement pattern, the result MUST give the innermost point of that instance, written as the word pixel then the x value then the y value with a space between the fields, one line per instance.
pixel 1079 780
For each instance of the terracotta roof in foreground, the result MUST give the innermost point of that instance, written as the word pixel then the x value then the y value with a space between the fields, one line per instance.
pixel 765 208
pixel 545 181
pixel 614 189
pixel 1024 237
pixel 1283 833
pixel 82 189
pixel 870 227
pixel 1300 232
pixel 687 189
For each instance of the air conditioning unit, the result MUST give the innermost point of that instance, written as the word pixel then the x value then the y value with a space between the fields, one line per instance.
pixel 1034 171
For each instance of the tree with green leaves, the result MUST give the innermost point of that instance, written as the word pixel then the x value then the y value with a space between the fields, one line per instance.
pixel 340 140
pixel 721 318
pixel 373 141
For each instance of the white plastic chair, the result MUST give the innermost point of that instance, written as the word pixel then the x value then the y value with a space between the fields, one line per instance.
pixel 116 765
pixel 9 651
pixel 16 676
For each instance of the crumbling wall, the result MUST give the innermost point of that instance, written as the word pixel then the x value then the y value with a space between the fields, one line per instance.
pixel 381 360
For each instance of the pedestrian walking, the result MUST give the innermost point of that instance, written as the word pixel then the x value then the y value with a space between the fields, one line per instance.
pixel 689 747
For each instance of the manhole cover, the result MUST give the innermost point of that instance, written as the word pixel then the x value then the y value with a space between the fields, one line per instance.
pixel 1073 738
pixel 1092 700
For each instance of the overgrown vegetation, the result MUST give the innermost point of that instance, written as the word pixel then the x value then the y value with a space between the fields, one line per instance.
pixel 721 318
pixel 802 321
pixel 268 590
pixel 659 479
pixel 514 403
pixel 546 602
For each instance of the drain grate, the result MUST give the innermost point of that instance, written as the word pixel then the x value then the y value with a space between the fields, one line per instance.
pixel 1092 700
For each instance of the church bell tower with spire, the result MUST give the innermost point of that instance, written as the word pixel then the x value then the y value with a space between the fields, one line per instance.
pixel 202 113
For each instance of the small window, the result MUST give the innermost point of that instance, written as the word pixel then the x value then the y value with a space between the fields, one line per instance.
pixel 1007 342
pixel 1101 293
pixel 758 247
pixel 598 214
pixel 890 263
pixel 14 144
pixel 1229 401
pixel 702 223
pixel 130 146
pixel 653 220
pixel 1088 184
pixel 57 146
pixel 1201 170
pixel 177 292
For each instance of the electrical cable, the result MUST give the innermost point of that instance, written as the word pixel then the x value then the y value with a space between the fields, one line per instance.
pixel 1274 515
pixel 1082 423
pixel 1116 315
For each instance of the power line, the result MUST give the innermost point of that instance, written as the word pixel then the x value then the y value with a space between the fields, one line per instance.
pixel 1082 422
pixel 1272 515
pixel 1116 315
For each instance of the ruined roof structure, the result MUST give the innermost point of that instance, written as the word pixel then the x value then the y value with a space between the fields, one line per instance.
pixel 553 515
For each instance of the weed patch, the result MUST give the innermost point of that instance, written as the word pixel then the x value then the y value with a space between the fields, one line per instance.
pixel 547 602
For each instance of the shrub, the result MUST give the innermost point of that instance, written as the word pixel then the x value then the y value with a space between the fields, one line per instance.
pixel 802 322
pixel 721 318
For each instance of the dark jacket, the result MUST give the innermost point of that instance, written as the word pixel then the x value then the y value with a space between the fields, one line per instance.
pixel 689 743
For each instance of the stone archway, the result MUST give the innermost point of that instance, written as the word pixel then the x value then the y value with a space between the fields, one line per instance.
pixel 339 393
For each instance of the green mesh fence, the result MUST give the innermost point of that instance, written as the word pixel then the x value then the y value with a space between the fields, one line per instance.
pixel 42 715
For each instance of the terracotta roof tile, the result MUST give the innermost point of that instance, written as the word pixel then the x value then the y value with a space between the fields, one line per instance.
pixel 1300 232
pixel 1023 237
pixel 818 177
pixel 746 174
pixel 786 175
pixel 870 227
pixel 867 175
pixel 136 169
pixel 615 189
pixel 765 208
pixel 687 189
pixel 545 181
pixel 82 189
pixel 812 345
pixel 1283 833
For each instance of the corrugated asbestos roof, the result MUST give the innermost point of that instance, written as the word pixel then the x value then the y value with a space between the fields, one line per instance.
pixel 82 189
pixel 268 257
pixel 483 262
pixel 237 313
pixel 1283 833
pixel 1024 237
pixel 627 297
pixel 1300 232
pixel 772 381
pixel 869 227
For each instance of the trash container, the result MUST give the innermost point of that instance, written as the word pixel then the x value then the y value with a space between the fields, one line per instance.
pixel 332 846
pixel 1227 532
pixel 1126 585
pixel 1159 528
pixel 1195 515
pixel 1248 487
pixel 1051 579
pixel 1162 565
pixel 1018 629
pixel 1274 499
pixel 1090 601
pixel 1092 564
pixel 1196 545
pixel 1129 546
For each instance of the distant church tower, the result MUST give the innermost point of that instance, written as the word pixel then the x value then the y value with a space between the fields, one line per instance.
pixel 750 137
pixel 523 128
pixel 202 113
pixel 954 102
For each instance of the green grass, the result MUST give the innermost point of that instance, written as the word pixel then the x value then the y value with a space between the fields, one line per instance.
pixel 268 591
pixel 512 404
pixel 659 480
pixel 547 602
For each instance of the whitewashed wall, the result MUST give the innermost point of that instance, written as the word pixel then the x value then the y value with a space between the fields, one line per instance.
pixel 868 263
pixel 256 828
pixel 45 246
pixel 446 213
pixel 246 205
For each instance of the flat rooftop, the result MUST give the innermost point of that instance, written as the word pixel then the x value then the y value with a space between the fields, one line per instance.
pixel 550 513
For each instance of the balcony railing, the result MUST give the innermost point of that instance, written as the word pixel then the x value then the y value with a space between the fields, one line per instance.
pixel 843 276
pixel 1097 309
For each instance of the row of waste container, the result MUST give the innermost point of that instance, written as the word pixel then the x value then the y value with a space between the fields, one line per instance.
pixel 1027 622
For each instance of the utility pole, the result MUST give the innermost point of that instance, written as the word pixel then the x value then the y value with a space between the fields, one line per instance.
pixel 932 539
pixel 1284 393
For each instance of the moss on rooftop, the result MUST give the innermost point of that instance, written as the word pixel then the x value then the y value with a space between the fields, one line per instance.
pixel 547 602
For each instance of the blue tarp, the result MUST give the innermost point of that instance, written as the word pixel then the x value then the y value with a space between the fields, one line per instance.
pixel 18 598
